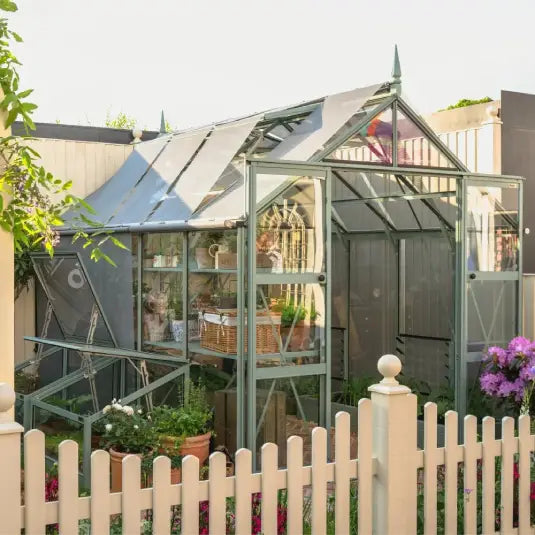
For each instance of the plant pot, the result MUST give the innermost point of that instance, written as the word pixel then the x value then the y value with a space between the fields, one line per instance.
pixel 116 468
pixel 203 258
pixel 198 446
pixel 300 339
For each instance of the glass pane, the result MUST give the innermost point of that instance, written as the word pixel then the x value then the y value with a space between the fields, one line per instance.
pixel 291 229
pixel 492 228
pixel 415 148
pixel 372 144
pixel 290 319
pixel 163 316
pixel 285 408
pixel 491 313
pixel 72 298
pixel 213 250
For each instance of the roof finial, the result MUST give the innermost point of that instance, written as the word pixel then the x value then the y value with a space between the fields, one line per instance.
pixel 163 129
pixel 395 84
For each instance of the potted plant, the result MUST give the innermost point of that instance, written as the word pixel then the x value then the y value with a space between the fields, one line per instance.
pixel 293 315
pixel 126 432
pixel 185 430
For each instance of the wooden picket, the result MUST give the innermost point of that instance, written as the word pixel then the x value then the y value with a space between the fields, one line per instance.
pixel 311 485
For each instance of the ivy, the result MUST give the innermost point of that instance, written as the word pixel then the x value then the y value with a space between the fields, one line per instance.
pixel 32 200
pixel 464 102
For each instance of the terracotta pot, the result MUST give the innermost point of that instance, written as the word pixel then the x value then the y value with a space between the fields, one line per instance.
pixel 116 468
pixel 300 336
pixel 198 446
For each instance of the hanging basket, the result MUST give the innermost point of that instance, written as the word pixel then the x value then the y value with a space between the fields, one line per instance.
pixel 219 331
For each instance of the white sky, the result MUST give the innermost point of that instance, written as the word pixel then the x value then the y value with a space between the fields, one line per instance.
pixel 202 61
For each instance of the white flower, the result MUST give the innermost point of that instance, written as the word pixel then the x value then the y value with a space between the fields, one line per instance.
pixel 117 407
pixel 139 411
pixel 106 409
pixel 113 401
pixel 148 417
pixel 128 410
pixel 136 426
pixel 108 427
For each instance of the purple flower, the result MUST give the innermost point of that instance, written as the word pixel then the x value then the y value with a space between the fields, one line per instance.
pixel 520 345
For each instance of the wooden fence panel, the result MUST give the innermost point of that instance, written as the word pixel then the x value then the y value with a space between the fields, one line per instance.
pixel 161 495
pixel 34 482
pixel 524 471
pixel 319 481
pixel 508 448
pixel 130 498
pixel 269 489
pixel 488 475
pixel 342 472
pixel 430 469
pixel 68 487
pixel 100 492
pixel 470 475
pixel 295 486
pixel 243 492
pixel 450 483
pixel 217 493
pixel 190 494
pixel 365 467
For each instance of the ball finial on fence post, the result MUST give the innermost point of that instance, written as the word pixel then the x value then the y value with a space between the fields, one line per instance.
pixel 389 366
pixel 7 400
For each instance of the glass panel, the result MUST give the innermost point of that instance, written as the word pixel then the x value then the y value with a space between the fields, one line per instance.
pixel 71 297
pixel 291 229
pixel 372 144
pixel 285 408
pixel 163 317
pixel 492 228
pixel 491 313
pixel 290 317
pixel 213 250
pixel 415 148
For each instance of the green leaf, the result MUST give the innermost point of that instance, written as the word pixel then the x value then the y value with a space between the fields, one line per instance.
pixel 25 93
pixel 87 206
pixel 118 243
pixel 11 116
pixel 16 36
pixel 8 5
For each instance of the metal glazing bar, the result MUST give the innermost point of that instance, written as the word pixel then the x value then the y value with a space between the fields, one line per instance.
pixel 395 132
pixel 57 410
pixel 405 197
pixel 240 331
pixel 281 372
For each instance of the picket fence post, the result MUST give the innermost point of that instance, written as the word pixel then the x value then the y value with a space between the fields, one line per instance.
pixel 10 434
pixel 395 449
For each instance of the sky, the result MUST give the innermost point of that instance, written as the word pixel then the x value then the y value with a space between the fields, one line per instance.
pixel 203 61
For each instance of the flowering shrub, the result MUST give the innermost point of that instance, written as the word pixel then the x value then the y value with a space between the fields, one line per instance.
pixel 510 373
pixel 127 430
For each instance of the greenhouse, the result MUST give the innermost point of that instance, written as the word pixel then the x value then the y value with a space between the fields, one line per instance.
pixel 275 257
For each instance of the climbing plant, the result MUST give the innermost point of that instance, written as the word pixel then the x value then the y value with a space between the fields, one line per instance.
pixel 32 200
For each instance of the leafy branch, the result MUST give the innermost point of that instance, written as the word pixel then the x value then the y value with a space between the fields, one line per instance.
pixel 32 200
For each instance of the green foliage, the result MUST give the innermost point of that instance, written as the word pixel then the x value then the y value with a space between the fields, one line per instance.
pixel 289 312
pixel 127 430
pixel 121 120
pixel 32 200
pixel 355 389
pixel 191 420
pixel 464 102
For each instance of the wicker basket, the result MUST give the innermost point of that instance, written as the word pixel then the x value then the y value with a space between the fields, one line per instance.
pixel 219 331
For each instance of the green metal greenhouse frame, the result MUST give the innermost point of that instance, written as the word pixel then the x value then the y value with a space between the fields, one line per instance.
pixel 477 287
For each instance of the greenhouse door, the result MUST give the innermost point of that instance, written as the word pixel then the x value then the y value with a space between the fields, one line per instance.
pixel 288 366
pixel 491 270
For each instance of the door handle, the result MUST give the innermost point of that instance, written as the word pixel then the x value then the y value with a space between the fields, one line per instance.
pixel 472 276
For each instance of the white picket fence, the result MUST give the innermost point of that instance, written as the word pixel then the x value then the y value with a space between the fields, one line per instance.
pixel 388 479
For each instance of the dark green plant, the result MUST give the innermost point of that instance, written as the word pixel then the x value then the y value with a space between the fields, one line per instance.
pixel 354 389
pixel 290 312
pixel 191 420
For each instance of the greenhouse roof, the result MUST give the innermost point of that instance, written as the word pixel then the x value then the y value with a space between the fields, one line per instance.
pixel 198 174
